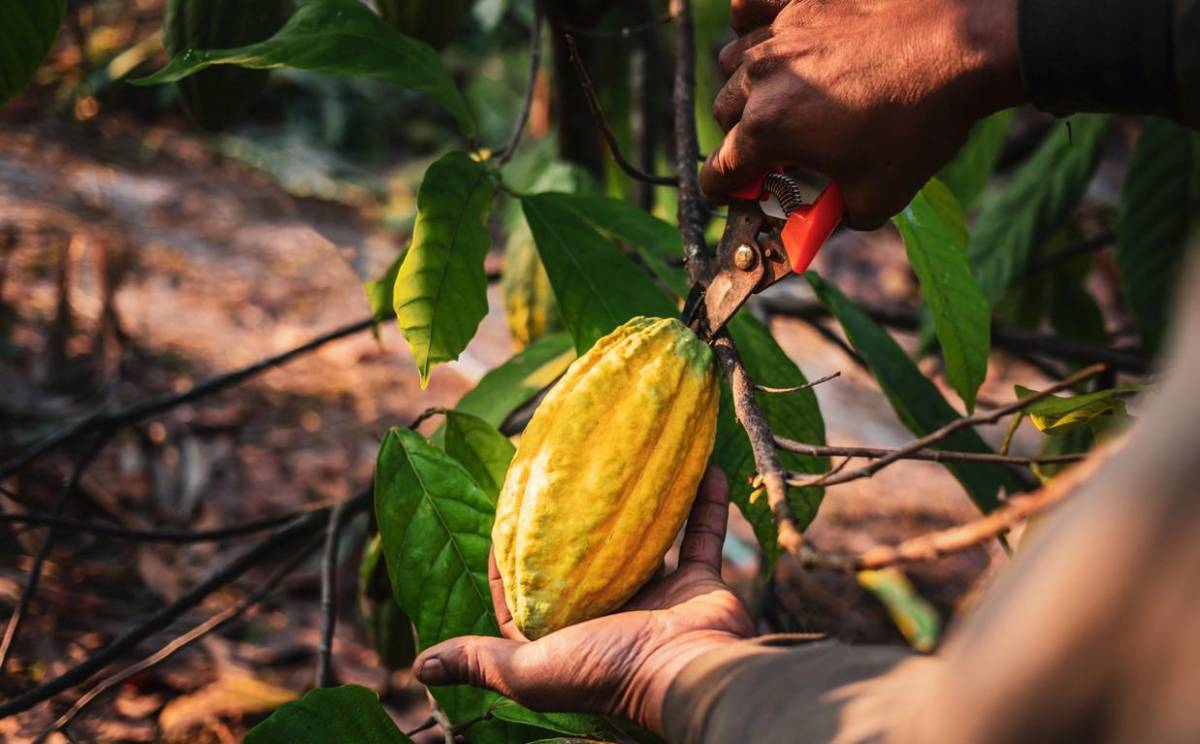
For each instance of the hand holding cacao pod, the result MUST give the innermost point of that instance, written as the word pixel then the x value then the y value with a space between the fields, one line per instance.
pixel 605 474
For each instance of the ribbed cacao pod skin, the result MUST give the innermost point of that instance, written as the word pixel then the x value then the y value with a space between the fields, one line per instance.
pixel 605 475
pixel 529 306
pixel 432 21
pixel 219 96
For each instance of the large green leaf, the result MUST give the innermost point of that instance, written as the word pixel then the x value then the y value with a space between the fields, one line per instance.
pixel 347 714
pixel 916 400
pixel 935 237
pixel 630 224
pixel 440 295
pixel 1040 198
pixel 1158 208
pixel 967 175
pixel 596 286
pixel 512 384
pixel 336 37
pixel 478 447
pixel 1058 415
pixel 436 526
pixel 379 291
pixel 28 30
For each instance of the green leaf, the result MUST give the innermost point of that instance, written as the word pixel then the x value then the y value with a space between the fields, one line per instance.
pixel 28 31
pixel 575 724
pixel 916 400
pixel 349 713
pixel 914 616
pixel 630 224
pixel 336 37
pixel 440 295
pixel 1158 208
pixel 1040 198
pixel 935 237
pixel 1057 415
pixel 596 286
pixel 379 291
pixel 478 447
pixel 509 386
pixel 967 175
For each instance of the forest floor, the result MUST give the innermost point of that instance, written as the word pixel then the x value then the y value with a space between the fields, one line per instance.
pixel 213 266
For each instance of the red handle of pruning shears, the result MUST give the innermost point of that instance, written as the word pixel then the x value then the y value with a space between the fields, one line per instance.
pixel 808 226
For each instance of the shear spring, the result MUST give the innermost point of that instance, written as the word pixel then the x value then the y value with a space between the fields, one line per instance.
pixel 786 190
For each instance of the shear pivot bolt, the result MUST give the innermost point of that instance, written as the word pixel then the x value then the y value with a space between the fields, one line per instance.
pixel 744 257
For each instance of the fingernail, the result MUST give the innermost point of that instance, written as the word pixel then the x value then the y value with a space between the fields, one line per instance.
pixel 432 672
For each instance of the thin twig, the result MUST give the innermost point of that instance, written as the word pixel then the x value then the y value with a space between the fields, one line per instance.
pixel 35 571
pixel 428 724
pixel 211 625
pixel 614 146
pixel 324 675
pixel 1003 337
pixel 151 535
pixel 623 32
pixel 535 63
pixel 301 527
pixel 799 388
pixel 944 432
pixel 147 409
pixel 935 545
pixel 929 455
pixel 762 442
pixel 690 213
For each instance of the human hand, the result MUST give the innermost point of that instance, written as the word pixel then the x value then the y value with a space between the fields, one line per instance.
pixel 875 94
pixel 620 664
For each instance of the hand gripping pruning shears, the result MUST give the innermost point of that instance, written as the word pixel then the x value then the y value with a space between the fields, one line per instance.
pixel 769 235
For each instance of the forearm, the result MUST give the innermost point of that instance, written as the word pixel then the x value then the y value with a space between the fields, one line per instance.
pixel 1122 56
pixel 816 692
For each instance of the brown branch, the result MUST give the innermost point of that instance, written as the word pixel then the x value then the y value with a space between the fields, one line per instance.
pixel 606 131
pixel 1003 337
pixel 535 64
pixel 929 440
pixel 799 388
pixel 324 674
pixel 935 545
pixel 929 455
pixel 211 625
pixel 302 527
pixel 762 442
pixel 690 213
pixel 13 628
pixel 150 535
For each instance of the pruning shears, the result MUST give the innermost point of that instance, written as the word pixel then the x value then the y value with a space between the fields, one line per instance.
pixel 770 234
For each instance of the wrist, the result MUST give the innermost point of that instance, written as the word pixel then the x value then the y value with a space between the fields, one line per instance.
pixel 665 665
pixel 990 36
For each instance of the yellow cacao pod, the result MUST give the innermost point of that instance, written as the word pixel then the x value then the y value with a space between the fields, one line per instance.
pixel 529 306
pixel 605 475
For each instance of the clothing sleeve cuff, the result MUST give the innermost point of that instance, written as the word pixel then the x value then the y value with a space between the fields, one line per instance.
pixel 1099 56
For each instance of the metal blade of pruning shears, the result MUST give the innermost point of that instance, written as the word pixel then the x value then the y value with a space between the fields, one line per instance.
pixel 758 249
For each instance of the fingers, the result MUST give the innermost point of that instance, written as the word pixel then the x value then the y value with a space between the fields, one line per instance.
pixel 731 100
pixel 705 533
pixel 746 15
pixel 732 53
pixel 738 161
pixel 504 617
pixel 479 661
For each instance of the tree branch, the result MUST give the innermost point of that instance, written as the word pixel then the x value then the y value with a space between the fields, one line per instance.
pixel 151 535
pixel 35 571
pixel 930 455
pixel 963 537
pixel 211 625
pixel 535 64
pixel 929 440
pixel 324 675
pixel 687 143
pixel 762 442
pixel 147 409
pixel 301 527
pixel 606 131
pixel 798 388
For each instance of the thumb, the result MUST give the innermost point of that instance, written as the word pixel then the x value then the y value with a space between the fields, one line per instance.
pixel 737 162
pixel 479 661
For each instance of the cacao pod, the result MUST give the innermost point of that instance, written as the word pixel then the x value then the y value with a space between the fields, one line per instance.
pixel 217 97
pixel 434 23
pixel 605 475
pixel 529 305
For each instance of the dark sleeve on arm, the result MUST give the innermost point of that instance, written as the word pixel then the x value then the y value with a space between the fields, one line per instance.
pixel 817 692
pixel 1122 56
